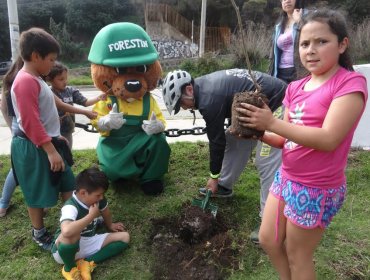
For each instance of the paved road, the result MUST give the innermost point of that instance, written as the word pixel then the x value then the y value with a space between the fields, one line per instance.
pixel 87 140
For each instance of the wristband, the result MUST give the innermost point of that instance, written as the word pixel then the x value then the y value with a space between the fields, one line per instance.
pixel 214 176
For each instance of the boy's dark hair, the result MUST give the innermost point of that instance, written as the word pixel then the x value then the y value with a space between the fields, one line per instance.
pixel 91 179
pixel 39 41
pixel 57 69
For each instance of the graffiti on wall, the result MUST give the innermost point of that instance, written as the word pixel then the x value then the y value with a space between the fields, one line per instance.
pixel 169 49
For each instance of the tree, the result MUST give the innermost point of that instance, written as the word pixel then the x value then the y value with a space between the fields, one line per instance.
pixel 5 51
pixel 71 51
pixel 84 18
pixel 35 13
pixel 254 10
pixel 358 10
pixel 87 17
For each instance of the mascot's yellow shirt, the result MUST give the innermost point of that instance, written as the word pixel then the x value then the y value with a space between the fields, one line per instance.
pixel 134 108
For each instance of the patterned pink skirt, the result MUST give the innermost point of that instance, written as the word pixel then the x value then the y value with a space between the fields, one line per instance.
pixel 308 207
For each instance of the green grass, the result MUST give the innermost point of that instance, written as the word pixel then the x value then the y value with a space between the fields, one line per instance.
pixel 79 76
pixel 344 252
pixel 80 81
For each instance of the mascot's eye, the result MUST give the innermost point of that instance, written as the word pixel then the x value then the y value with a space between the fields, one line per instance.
pixel 138 69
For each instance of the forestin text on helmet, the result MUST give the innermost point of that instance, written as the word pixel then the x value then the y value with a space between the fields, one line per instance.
pixel 128 44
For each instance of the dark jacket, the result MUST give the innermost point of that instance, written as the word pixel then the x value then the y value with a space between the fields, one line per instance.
pixel 214 96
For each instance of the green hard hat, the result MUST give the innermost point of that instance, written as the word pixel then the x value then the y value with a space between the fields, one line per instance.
pixel 122 44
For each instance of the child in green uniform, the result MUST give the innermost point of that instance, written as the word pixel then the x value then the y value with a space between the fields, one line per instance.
pixel 77 246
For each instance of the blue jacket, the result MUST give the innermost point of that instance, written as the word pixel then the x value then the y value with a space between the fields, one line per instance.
pixel 276 52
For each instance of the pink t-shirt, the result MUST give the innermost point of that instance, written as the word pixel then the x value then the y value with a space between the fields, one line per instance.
pixel 35 109
pixel 311 167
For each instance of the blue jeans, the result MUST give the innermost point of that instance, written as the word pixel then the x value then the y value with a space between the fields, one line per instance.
pixel 8 189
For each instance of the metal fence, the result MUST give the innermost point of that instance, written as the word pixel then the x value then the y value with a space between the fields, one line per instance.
pixel 216 38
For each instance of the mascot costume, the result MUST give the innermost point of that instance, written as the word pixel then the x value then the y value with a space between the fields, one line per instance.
pixel 124 64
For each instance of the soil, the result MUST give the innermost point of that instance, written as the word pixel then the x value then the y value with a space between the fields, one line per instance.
pixel 194 245
pixel 250 97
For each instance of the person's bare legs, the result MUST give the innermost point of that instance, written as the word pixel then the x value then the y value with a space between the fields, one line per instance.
pixel 275 248
pixel 39 233
pixel 66 195
pixel 300 245
pixel 36 216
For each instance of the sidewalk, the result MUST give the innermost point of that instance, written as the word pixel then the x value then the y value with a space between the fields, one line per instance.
pixel 87 140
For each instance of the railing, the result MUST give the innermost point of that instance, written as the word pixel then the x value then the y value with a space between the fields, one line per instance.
pixel 216 37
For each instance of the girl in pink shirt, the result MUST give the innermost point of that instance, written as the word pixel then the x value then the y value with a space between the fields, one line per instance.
pixel 322 113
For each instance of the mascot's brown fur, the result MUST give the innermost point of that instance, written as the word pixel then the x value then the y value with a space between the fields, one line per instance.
pixel 107 77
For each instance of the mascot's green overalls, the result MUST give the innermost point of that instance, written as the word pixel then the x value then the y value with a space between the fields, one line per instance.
pixel 129 152
pixel 125 62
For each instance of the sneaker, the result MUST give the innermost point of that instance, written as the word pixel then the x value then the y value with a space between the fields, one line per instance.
pixel 85 268
pixel 45 241
pixel 3 212
pixel 254 236
pixel 221 192
pixel 74 274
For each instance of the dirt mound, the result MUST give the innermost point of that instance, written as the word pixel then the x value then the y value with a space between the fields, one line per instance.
pixel 194 245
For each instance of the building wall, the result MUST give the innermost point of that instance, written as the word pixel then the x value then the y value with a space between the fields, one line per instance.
pixel 169 43
pixel 361 139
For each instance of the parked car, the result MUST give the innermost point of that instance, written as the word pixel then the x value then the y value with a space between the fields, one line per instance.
pixel 4 67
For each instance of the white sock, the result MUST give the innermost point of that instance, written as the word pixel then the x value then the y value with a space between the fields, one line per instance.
pixel 39 232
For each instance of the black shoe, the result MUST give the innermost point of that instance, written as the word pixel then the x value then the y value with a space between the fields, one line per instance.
pixel 221 192
pixel 45 241
pixel 154 187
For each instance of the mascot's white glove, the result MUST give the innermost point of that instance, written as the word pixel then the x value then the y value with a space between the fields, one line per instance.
pixel 152 126
pixel 114 120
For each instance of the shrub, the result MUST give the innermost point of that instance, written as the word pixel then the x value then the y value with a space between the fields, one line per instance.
pixel 360 42
pixel 71 51
pixel 257 39
pixel 210 62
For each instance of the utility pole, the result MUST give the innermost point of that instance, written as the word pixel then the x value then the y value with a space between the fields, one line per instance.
pixel 13 28
pixel 202 28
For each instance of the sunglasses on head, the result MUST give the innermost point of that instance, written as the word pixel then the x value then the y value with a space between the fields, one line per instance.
pixel 124 70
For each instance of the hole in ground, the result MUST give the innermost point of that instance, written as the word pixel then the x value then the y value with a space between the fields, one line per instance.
pixel 193 245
